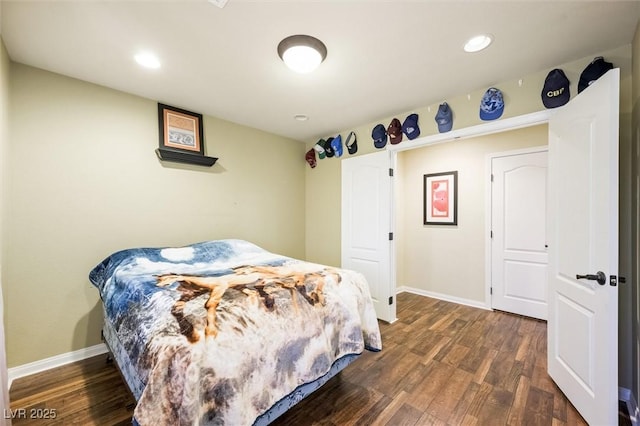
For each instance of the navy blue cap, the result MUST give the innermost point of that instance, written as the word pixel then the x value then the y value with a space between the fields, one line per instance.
pixel 555 91
pixel 492 104
pixel 444 118
pixel 379 135
pixel 596 69
pixel 410 126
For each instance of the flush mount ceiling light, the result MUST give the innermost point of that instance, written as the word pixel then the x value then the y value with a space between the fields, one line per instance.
pixel 147 60
pixel 302 53
pixel 219 3
pixel 477 43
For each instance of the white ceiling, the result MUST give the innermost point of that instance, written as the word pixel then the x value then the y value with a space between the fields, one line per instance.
pixel 384 57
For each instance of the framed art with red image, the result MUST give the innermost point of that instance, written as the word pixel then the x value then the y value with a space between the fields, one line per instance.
pixel 441 198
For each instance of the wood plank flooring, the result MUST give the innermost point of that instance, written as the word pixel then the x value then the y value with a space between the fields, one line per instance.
pixel 445 364
pixel 441 364
pixel 89 392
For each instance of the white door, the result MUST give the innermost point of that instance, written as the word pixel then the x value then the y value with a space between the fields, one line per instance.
pixel 518 224
pixel 366 224
pixel 583 240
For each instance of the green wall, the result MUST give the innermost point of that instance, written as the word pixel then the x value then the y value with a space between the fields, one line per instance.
pixel 84 181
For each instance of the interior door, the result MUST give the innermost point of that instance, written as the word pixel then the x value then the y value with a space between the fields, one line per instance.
pixel 518 223
pixel 583 250
pixel 366 224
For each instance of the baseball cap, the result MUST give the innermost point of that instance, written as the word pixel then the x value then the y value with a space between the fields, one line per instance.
pixel 328 148
pixel 555 91
pixel 352 146
pixel 379 135
pixel 444 118
pixel 410 126
pixel 596 69
pixel 319 147
pixel 492 104
pixel 310 157
pixel 395 131
pixel 336 145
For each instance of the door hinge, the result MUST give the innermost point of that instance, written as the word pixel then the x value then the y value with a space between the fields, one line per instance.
pixel 491 234
pixel 490 290
pixel 491 177
pixel 391 172
pixel 390 236
pixel 391 300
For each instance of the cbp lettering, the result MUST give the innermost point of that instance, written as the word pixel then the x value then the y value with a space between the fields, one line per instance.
pixel 554 93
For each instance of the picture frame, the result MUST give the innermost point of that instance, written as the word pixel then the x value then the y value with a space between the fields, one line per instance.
pixel 180 130
pixel 440 198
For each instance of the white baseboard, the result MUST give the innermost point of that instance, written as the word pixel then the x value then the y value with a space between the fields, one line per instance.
pixel 626 395
pixel 54 361
pixel 440 296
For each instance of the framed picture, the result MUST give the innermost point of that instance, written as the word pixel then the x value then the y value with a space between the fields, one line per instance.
pixel 180 129
pixel 441 198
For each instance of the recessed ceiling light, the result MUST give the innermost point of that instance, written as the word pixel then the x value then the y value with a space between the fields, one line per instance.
pixel 477 43
pixel 147 60
pixel 302 53
pixel 301 117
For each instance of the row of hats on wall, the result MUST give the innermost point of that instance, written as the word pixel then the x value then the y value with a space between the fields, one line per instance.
pixel 491 108
pixel 555 93
pixel 331 147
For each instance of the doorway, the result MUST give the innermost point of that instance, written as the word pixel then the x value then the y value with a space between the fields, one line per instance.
pixel 443 261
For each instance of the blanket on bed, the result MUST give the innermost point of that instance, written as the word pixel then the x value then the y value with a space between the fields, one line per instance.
pixel 220 331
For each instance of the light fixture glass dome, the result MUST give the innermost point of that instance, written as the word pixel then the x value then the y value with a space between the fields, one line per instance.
pixel 302 53
pixel 147 60
pixel 477 43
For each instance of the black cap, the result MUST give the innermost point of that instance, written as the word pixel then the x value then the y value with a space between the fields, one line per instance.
pixel 596 69
pixel 352 143
pixel 328 149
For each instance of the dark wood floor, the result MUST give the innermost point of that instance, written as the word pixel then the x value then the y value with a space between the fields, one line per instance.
pixel 442 364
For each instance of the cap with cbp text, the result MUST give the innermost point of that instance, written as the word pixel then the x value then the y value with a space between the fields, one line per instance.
pixel 555 91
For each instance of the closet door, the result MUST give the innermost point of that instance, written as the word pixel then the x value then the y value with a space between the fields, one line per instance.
pixel 366 226
pixel 518 223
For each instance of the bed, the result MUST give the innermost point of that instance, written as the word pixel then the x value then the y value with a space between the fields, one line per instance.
pixel 225 332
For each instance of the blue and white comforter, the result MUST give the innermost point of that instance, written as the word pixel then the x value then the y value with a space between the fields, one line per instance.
pixel 218 332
